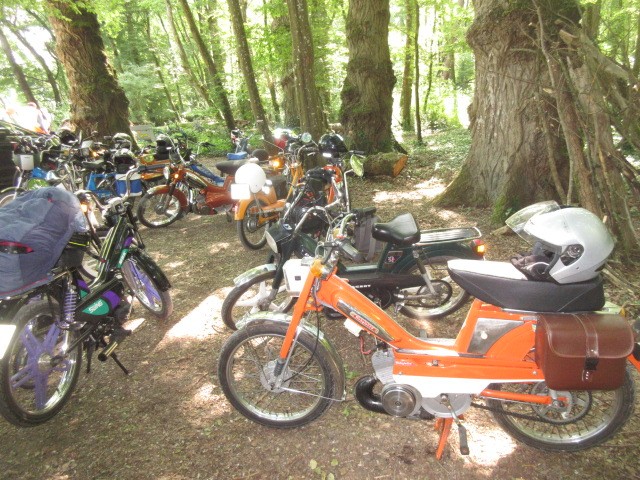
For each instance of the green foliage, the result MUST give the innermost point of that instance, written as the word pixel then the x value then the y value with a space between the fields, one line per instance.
pixel 198 132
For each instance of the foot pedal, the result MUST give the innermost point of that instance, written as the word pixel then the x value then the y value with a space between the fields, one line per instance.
pixel 464 446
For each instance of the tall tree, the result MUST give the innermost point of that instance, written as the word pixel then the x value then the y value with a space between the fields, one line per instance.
pixel 407 76
pixel 16 69
pixel 367 101
pixel 246 65
pixel 312 118
pixel 542 116
pixel 97 101
pixel 212 69
pixel 51 79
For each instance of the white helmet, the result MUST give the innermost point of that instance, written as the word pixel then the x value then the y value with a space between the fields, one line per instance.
pixel 578 240
pixel 252 175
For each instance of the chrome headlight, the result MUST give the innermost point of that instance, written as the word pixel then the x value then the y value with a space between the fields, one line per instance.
pixel 6 334
pixel 271 242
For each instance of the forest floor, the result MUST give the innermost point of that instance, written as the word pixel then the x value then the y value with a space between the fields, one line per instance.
pixel 169 419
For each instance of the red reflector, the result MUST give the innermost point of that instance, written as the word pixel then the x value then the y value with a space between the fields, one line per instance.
pixel 14 247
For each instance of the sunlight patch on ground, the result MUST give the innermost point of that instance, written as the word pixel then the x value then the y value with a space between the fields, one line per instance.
pixel 489 446
pixel 218 247
pixel 174 265
pixel 134 323
pixel 199 322
pixel 428 189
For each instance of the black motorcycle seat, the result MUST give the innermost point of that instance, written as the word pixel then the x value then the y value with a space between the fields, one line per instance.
pixel 93 164
pixel 503 285
pixel 230 167
pixel 402 230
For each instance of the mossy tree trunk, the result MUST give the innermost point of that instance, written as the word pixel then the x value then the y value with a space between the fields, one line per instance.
pixel 367 91
pixel 507 166
pixel 98 103
pixel 546 103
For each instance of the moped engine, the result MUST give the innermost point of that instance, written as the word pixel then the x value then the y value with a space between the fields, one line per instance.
pixel 404 399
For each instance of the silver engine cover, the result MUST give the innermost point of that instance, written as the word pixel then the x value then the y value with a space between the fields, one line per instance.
pixel 404 400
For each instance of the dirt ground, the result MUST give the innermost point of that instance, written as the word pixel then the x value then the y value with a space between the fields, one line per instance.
pixel 169 419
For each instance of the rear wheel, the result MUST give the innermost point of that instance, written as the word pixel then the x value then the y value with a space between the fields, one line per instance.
pixel 146 290
pixel 251 297
pixel 246 371
pixel 157 210
pixel 38 372
pixel 448 296
pixel 586 419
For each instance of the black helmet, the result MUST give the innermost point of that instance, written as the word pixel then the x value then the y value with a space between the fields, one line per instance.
pixel 332 143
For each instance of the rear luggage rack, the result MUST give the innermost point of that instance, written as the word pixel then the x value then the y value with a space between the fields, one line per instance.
pixel 449 235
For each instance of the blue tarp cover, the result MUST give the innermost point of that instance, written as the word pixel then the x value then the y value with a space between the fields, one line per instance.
pixel 43 220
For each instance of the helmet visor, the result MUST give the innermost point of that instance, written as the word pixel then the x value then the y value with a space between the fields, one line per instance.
pixel 518 220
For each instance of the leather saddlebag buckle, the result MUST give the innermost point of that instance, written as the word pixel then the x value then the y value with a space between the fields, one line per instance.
pixel 583 351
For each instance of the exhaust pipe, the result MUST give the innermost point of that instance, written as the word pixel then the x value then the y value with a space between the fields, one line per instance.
pixel 363 391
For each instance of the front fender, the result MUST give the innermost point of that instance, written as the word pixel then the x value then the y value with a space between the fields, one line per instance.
pixel 304 329
pixel 179 194
pixel 252 273
pixel 151 268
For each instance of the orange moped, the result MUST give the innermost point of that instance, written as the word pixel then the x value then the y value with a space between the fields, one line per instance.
pixel 539 347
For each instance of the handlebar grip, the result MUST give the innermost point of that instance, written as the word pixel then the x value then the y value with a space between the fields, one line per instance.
pixel 356 152
pixel 350 251
pixel 361 213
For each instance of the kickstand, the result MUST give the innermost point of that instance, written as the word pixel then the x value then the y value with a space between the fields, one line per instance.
pixel 119 363
pixel 443 425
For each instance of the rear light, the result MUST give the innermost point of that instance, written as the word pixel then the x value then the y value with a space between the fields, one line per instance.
pixel 14 247
pixel 479 247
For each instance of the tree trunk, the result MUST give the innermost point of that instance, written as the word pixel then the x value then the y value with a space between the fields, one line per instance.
pixel 312 118
pixel 184 59
pixel 16 69
pixel 407 77
pixel 244 57
pixel 367 101
pixel 98 103
pixel 290 101
pixel 212 69
pixel 416 55
pixel 507 166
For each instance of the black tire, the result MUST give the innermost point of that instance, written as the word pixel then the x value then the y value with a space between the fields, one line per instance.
pixel 32 388
pixel 449 295
pixel 146 290
pixel 251 233
pixel 249 298
pixel 245 370
pixel 157 210
pixel 592 418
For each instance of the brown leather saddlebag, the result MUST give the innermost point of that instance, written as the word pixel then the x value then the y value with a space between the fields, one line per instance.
pixel 583 351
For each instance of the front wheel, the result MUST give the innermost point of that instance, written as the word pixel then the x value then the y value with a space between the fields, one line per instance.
pixel 8 195
pixel 586 419
pixel 252 228
pixel 38 372
pixel 448 296
pixel 157 210
pixel 252 297
pixel 146 289
pixel 300 394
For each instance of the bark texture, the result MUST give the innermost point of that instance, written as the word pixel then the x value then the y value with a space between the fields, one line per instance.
pixel 246 65
pixel 367 91
pixel 507 166
pixel 98 103
pixel 312 118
